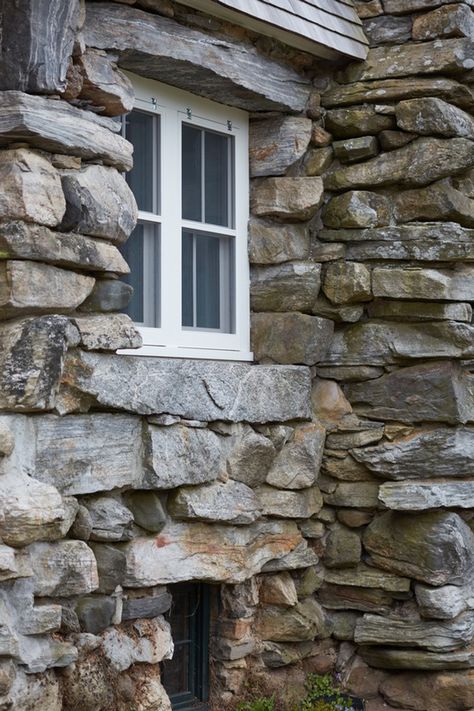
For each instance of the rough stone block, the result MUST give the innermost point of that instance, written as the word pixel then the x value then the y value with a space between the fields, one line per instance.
pixel 31 188
pixel 111 566
pixel 364 576
pixel 208 391
pixel 290 338
pixel 419 311
pixel 417 659
pixel 347 283
pixel 224 502
pixel 95 613
pixel 433 547
pixel 104 85
pixel 432 116
pixel 280 503
pixel 277 143
pixel 58 127
pixel 439 201
pixel 249 454
pixel 231 72
pixel 343 548
pixel 388 30
pixel 419 283
pixel 357 209
pixel 453 20
pixel 304 621
pixel 339 597
pixel 444 603
pixel 297 464
pixel 278 590
pixel 107 332
pixel 436 692
pixel 110 519
pixel 425 495
pixel 143 641
pixel 63 569
pixel 287 287
pixel 207 552
pixel 317 160
pixel 357 121
pixel 33 288
pixel 147 603
pixel 353 150
pixel 389 140
pixel 360 494
pixel 285 198
pixel 271 243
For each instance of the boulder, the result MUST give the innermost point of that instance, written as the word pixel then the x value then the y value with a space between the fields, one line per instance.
pixel 347 283
pixel 277 143
pixel 446 602
pixel 285 287
pixel 99 203
pixel 292 199
pixel 31 188
pixel 297 464
pixel 64 568
pixel 226 502
pixel 433 547
pixel 420 283
pixel 437 201
pixel 428 494
pixel 432 116
pixel 271 243
pixel 357 209
pixel 104 85
pixel 290 337
pixel 207 552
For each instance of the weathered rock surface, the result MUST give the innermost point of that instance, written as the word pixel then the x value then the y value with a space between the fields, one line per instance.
pixel 430 692
pixel 285 198
pixel 417 659
pixel 289 504
pixel 40 61
pixel 31 287
pixel 303 622
pixel 430 452
pixel 357 209
pixel 360 494
pixel 433 547
pixel 104 85
pixel 249 454
pixel 437 201
pixel 343 548
pixel 199 551
pixel 64 568
pixel 110 213
pixel 317 160
pixel 196 390
pixel 31 188
pixel 433 116
pixel 420 496
pixel 20 240
pixel 107 296
pixel 357 121
pixel 58 127
pixel 431 392
pixel 364 576
pixel 297 464
pixel 145 641
pixel 339 597
pixel 107 332
pixel 110 519
pixel 354 150
pixel 157 47
pixel 418 163
pixel 85 454
pixel 278 590
pixel 285 287
pixel 419 283
pixel 347 283
pixel 271 243
pixel 420 311
pixel 388 30
pixel 434 636
pixel 451 20
pixel 445 603
pixel 229 502
pixel 277 143
pixel 423 232
pixel 290 337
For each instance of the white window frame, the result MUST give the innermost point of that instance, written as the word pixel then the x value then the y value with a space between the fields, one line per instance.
pixel 176 107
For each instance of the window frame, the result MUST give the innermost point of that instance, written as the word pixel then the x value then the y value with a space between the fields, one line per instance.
pixel 175 108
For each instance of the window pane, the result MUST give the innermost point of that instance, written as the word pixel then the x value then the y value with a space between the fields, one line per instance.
pixel 132 251
pixel 142 252
pixel 187 279
pixel 191 171
pixel 207 282
pixel 140 129
pixel 217 178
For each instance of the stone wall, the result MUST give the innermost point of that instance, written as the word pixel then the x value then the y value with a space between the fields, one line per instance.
pixel 328 490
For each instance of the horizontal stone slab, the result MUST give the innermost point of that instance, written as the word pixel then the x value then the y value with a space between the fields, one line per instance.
pixel 365 576
pixel 196 390
pixel 207 552
pixel 220 502
pixel 361 494
pixel 439 232
pixel 234 73
pixel 58 127
pixel 420 283
pixel 417 659
pixel 410 251
pixel 420 311
pixel 19 240
pixel 434 636
pixel 422 496
pixel 433 452
pixel 431 116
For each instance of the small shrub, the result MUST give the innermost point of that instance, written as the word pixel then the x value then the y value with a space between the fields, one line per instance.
pixel 264 703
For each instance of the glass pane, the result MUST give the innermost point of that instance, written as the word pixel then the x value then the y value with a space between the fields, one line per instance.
pixel 191 171
pixel 132 251
pixel 140 129
pixel 187 279
pixel 142 252
pixel 217 179
pixel 207 282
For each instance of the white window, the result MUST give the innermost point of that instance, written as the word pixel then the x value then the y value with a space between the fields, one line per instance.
pixel 188 253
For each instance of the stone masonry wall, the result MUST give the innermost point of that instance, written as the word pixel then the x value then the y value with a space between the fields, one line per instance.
pixel 327 492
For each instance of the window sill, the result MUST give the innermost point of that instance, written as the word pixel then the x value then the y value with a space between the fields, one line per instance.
pixel 192 353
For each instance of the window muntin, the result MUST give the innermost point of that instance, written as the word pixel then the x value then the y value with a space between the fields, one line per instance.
pixel 192 233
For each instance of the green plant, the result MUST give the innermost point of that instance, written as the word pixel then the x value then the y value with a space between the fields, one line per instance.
pixel 323 695
pixel 264 703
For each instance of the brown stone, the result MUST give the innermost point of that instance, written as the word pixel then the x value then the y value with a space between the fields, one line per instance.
pixel 271 243
pixel 432 116
pixel 431 691
pixel 290 337
pixel 295 199
pixel 293 286
pixel 357 121
pixel 347 283
pixel 277 143
pixel 104 85
pixel 357 209
pixel 456 20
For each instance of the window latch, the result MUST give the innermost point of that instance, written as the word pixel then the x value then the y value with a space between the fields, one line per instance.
pixel 153 102
pixel 229 125
pixel 189 113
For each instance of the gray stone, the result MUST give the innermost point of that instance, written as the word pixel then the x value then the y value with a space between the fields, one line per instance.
pixel 34 288
pixel 293 199
pixel 143 641
pixel 95 613
pixel 349 373
pixel 417 659
pixel 104 85
pixel 402 7
pixel 317 160
pixel 338 313
pixel 420 162
pixel 429 494
pixel 207 552
pixel 342 624
pixel 432 547
pixel 434 636
pixel 32 353
pixel 357 121
pixel 302 622
pixel 64 568
pixel 354 434
pixel 427 453
pixel 232 72
pixel 231 650
pixel 83 454
pixel 439 201
pixel 110 213
pixel 419 283
pixel 432 392
pixel 429 251
pixel 360 494
pixel 357 209
pixel 353 150
pixel 277 143
pixel 432 116
pixel 249 455
pixel 147 509
pixel 389 140
pixel 107 332
pixel 450 57
pixel 108 295
pixel 343 548
pixel 111 520
pixel 57 127
pixel 82 526
pixel 31 188
pixel 146 605
pixel 271 243
pixel 297 464
pixel 20 240
pixel 444 603
pixel 39 62
pixel 364 576
pixel 422 232
pixel 276 655
pixel 289 504
pixel 388 30
pixel 347 283
pixel 419 311
pixel 290 337
pixel 41 693
pixel 454 20
pixel 286 287
pixel 226 502
pixel 111 566
pixel 207 391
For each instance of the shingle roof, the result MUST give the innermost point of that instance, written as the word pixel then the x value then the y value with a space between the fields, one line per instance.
pixel 325 28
